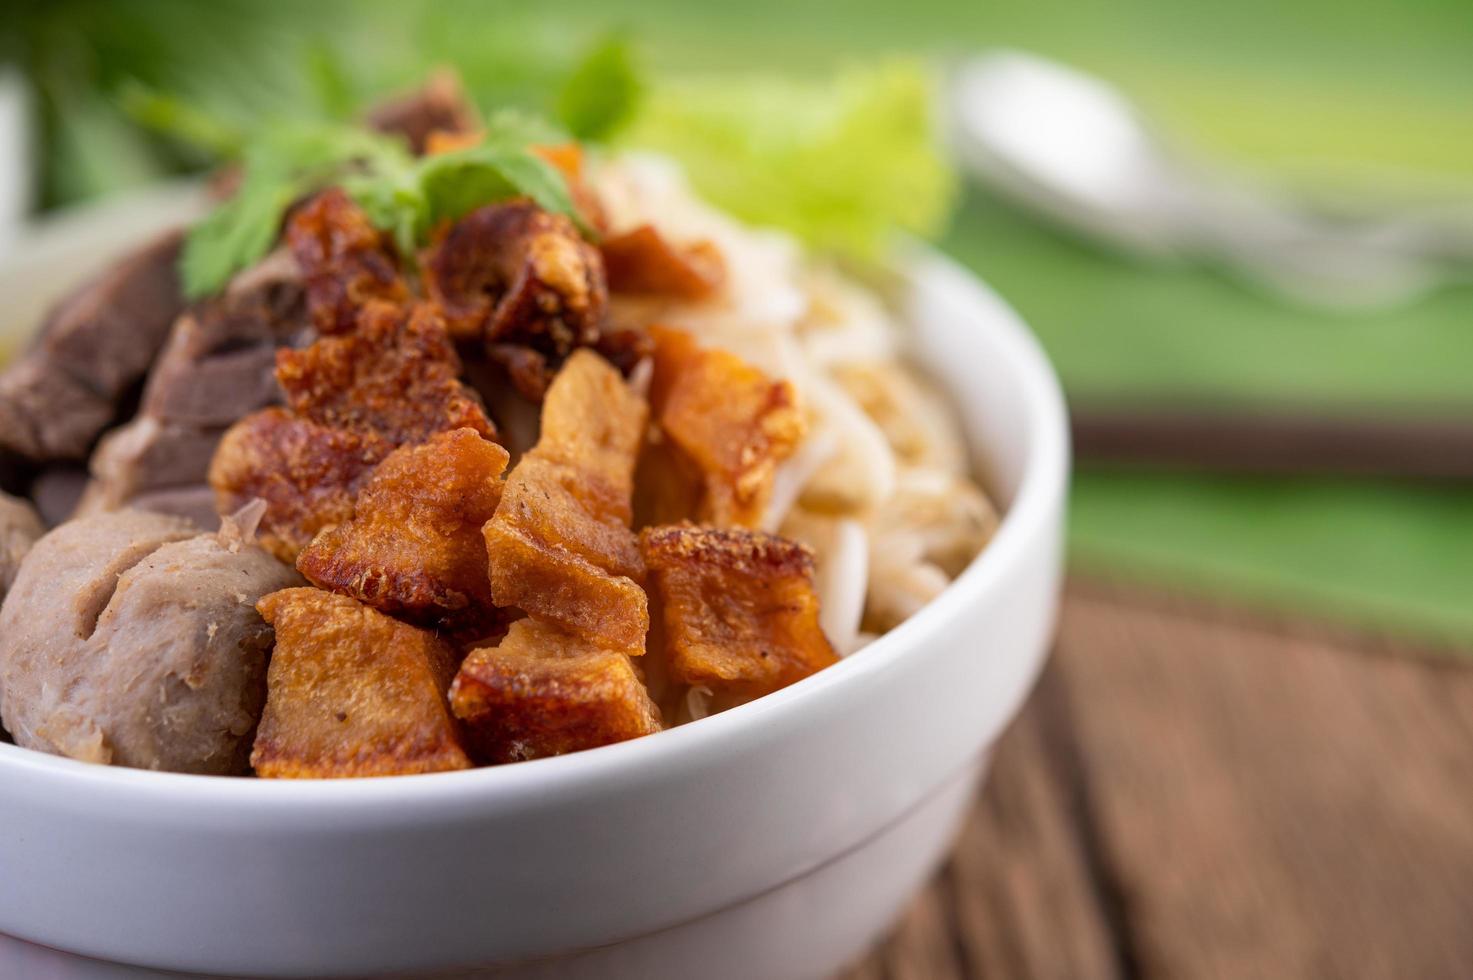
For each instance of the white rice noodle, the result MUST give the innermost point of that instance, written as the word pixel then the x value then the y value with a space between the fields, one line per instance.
pixel 920 539
pixel 795 473
pixel 697 703
pixel 761 267
pixel 861 474
pixel 641 376
pixel 917 422
pixel 840 548
pixel 845 324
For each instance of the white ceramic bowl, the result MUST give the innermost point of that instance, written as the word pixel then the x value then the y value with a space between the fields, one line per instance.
pixel 774 840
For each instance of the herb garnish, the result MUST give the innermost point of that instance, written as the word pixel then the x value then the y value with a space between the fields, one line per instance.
pixel 402 195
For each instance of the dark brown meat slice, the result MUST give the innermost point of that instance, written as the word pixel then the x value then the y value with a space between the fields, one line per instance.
pixel 194 503
pixel 56 491
pixel 94 347
pixel 216 368
pixel 219 361
pixel 525 282
pixel 440 106
pixel 46 413
pixel 146 456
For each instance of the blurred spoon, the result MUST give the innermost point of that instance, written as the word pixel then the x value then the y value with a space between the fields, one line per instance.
pixel 1073 147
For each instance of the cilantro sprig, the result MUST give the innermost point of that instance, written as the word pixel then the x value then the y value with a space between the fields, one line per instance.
pixel 402 195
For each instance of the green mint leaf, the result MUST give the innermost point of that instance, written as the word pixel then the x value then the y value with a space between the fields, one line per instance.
pixel 236 235
pixel 394 203
pixel 286 161
pixel 603 92
pixel 454 184
pixel 402 196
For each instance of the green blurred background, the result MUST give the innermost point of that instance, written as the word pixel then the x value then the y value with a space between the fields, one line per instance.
pixel 1370 100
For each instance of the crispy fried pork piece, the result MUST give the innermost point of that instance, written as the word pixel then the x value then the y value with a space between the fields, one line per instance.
pixel 414 547
pixel 58 396
pixel 729 420
pixel 524 281
pixel 353 399
pixel 396 376
pixel 19 528
pixel 345 261
pixel 544 692
pixel 440 106
pixel 308 474
pixel 560 545
pixel 642 260
pixel 737 609
pixel 130 639
pixel 218 365
pixel 352 692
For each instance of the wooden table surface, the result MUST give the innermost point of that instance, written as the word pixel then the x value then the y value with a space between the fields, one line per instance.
pixel 1192 792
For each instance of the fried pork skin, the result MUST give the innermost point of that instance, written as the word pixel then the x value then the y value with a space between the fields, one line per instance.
pixel 544 692
pixel 643 261
pixel 525 282
pixel 560 546
pixel 345 261
pixel 308 474
pixel 396 375
pixel 414 547
pixel 352 400
pixel 737 609
pixel 352 692
pixel 728 420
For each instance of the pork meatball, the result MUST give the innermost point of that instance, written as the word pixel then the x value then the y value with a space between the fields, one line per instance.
pixel 131 639
pixel 19 529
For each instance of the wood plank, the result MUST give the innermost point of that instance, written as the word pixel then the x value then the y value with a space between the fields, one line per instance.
pixel 1194 793
pixel 1271 804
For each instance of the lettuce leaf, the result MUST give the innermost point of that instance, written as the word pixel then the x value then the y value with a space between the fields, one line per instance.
pixel 841 164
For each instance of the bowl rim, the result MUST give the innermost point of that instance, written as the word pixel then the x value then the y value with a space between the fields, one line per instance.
pixel 1043 480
